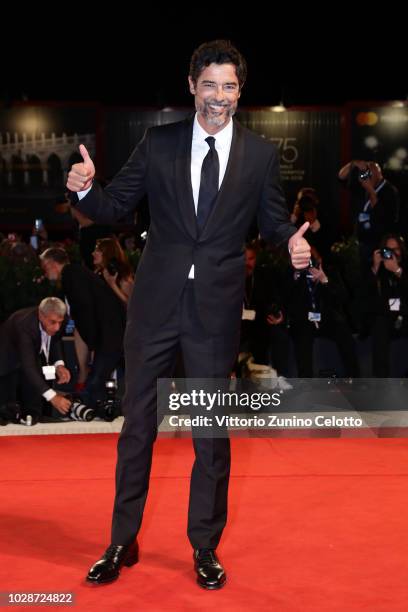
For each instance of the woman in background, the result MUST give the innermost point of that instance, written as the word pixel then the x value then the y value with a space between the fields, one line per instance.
pixel 111 263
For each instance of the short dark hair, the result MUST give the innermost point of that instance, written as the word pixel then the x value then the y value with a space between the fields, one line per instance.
pixel 56 254
pixel 218 52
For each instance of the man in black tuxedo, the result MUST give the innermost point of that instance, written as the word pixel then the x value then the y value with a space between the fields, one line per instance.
pixel 31 356
pixel 206 178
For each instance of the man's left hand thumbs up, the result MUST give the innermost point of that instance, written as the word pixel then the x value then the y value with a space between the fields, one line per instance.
pixel 299 248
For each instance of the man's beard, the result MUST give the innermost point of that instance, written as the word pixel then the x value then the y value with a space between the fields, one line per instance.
pixel 217 121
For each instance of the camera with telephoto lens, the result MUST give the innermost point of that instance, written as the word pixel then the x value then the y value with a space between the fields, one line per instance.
pixel 108 409
pixel 80 412
pixel 364 175
pixel 386 253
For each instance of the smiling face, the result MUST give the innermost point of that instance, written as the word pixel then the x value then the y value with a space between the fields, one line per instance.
pixel 216 95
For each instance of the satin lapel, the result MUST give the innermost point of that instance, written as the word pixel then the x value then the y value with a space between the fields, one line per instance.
pixel 183 178
pixel 232 175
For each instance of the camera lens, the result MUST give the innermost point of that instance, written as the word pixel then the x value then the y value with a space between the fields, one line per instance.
pixel 386 253
pixel 365 174
pixel 80 412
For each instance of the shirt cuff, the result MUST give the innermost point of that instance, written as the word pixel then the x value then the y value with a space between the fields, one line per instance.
pixel 49 394
pixel 58 363
pixel 82 194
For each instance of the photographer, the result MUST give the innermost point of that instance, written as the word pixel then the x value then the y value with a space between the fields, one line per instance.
pixel 111 263
pixel 31 357
pixel 375 204
pixel 386 300
pixel 315 300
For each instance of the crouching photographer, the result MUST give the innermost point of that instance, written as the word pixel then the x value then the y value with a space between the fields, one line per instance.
pixel 31 360
pixel 386 300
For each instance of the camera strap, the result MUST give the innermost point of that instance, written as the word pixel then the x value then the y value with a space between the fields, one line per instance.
pixel 364 217
pixel 367 205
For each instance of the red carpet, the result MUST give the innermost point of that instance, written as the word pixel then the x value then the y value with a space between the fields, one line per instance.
pixel 315 524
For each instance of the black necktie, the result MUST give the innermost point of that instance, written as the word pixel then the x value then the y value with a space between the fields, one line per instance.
pixel 210 171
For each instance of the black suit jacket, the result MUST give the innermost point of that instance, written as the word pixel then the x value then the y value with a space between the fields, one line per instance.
pixel 20 344
pixel 160 167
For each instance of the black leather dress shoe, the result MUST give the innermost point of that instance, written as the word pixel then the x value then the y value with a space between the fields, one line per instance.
pixel 107 569
pixel 210 573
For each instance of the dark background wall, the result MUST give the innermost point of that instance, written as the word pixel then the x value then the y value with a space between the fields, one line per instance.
pixel 96 68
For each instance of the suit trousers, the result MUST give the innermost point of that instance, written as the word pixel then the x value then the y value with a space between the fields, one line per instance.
pixel 149 355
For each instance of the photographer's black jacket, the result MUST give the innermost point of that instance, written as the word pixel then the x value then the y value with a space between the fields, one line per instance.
pixel 20 345
pixel 378 289
pixel 98 314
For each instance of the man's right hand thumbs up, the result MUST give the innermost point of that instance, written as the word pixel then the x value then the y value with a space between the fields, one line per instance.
pixel 81 175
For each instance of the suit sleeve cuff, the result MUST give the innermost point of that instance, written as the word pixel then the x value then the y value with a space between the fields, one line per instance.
pixel 82 194
pixel 49 394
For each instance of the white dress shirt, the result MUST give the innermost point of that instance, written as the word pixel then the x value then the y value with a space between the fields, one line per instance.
pixel 45 348
pixel 199 149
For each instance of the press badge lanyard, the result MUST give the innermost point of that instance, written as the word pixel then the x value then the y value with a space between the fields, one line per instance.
pixel 364 217
pixel 314 316
pixel 394 303
pixel 312 290
pixel 248 313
